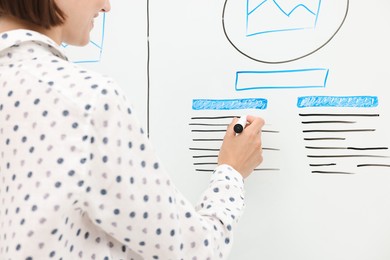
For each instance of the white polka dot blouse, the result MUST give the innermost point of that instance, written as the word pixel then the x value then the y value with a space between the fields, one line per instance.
pixel 79 178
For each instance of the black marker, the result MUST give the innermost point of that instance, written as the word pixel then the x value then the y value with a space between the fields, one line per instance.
pixel 239 127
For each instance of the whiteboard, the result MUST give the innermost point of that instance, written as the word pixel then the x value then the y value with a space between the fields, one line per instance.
pixel 316 71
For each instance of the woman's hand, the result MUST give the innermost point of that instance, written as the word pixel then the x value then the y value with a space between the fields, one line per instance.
pixel 243 151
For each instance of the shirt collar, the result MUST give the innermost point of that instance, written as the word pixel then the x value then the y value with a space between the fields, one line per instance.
pixel 16 37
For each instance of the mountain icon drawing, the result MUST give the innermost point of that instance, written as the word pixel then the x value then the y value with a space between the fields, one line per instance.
pixel 271 16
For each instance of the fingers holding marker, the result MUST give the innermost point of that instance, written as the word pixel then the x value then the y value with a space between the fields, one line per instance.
pixel 230 129
pixel 251 135
pixel 240 124
pixel 255 123
pixel 242 150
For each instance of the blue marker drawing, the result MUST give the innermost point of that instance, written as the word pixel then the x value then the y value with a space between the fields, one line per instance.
pixel 281 79
pixel 93 51
pixel 338 101
pixel 270 16
pixel 280 31
pixel 229 104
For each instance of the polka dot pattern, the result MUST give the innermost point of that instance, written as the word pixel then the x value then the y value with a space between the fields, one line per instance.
pixel 79 178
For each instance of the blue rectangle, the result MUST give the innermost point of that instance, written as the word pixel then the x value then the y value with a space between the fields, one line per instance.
pixel 338 101
pixel 229 104
pixel 282 79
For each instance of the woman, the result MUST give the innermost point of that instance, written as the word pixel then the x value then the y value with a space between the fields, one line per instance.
pixel 78 177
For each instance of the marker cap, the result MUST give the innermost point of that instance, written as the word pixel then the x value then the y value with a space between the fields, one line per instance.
pixel 238 128
pixel 241 123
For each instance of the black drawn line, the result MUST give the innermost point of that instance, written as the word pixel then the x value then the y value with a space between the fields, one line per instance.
pixel 206 163
pixel 204 156
pixel 203 124
pixel 332 172
pixel 358 115
pixel 213 117
pixel 347 156
pixel 339 131
pixel 347 148
pixel 324 138
pixel 328 122
pixel 203 170
pixel 203 149
pixel 206 131
pixel 267 169
pixel 270 149
pixel 322 164
pixel 373 165
pixel 269 131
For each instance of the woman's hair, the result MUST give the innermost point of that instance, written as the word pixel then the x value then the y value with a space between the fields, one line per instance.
pixel 44 13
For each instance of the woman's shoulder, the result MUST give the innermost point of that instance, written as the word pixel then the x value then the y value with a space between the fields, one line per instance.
pixel 73 82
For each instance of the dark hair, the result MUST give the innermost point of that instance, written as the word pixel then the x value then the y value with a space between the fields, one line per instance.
pixel 44 13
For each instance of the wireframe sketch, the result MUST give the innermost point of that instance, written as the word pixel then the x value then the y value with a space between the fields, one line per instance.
pixel 343 138
pixel 281 79
pixel 277 31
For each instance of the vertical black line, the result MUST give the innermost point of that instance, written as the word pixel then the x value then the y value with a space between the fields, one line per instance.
pixel 148 70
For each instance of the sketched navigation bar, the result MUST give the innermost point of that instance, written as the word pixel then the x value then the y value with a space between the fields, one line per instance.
pixel 282 79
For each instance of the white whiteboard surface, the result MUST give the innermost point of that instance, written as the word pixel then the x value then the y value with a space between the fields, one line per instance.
pixel 316 71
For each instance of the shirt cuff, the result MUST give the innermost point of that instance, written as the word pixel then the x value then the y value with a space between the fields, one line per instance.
pixel 225 172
